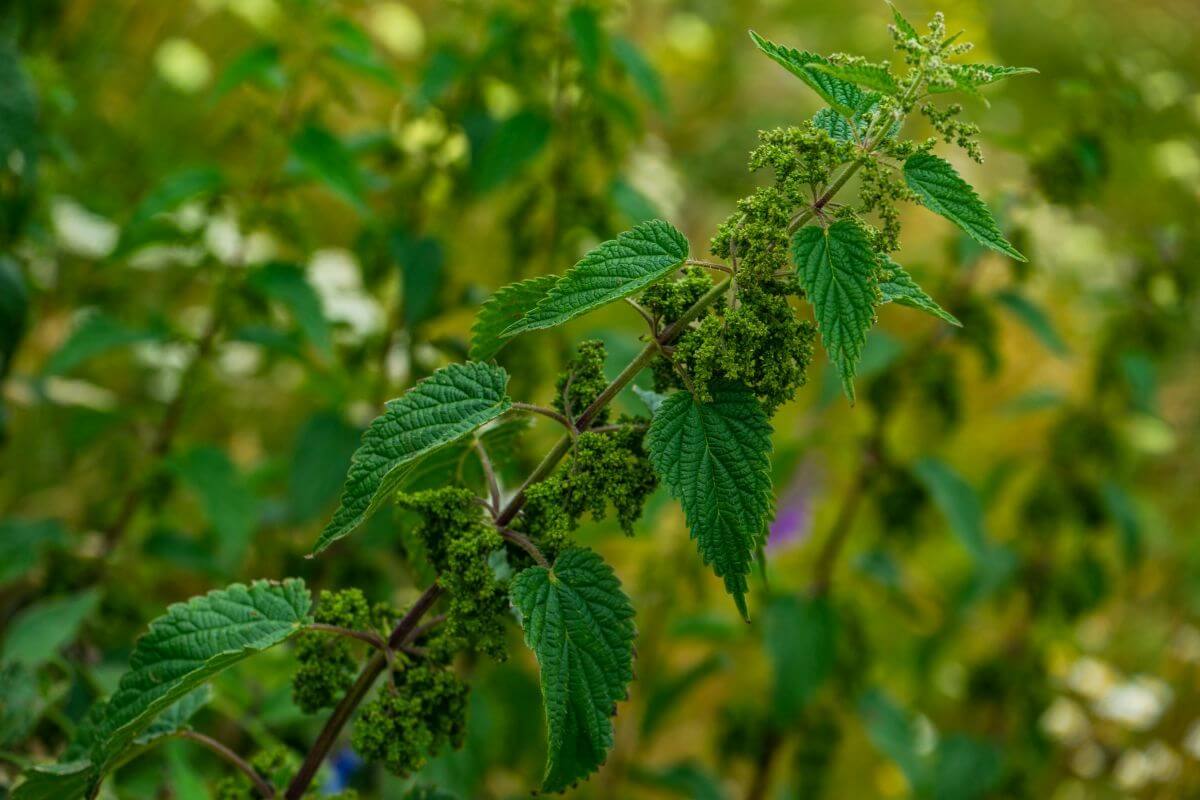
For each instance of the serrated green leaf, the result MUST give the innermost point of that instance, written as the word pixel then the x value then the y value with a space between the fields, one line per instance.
pixel 502 310
pixel 1035 319
pixel 942 191
pixel 969 77
pixel 833 123
pixel 903 25
pixel 843 95
pixel 579 624
pixel 836 267
pixel 897 286
pixel 617 268
pixel 872 76
pixel 190 644
pixel 35 635
pixel 447 405
pixel 287 285
pixel 801 636
pixel 715 458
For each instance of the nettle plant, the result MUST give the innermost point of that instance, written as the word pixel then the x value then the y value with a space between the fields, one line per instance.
pixel 725 354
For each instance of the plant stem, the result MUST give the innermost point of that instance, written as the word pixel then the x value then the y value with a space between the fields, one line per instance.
pixel 373 639
pixel 563 446
pixel 561 419
pixel 490 473
pixel 522 541
pixel 260 784
pixel 400 636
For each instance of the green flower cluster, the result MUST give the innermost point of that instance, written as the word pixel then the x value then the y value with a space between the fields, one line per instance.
pixel 608 468
pixel 327 662
pixel 667 300
pixel 582 381
pixel 422 711
pixel 459 543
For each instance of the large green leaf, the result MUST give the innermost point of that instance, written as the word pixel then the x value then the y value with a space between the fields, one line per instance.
pixel 617 268
pixel 503 309
pixel 836 267
pixel 447 405
pixel 942 191
pixel 579 624
pixel 715 457
pixel 841 94
pixel 897 286
pixel 190 644
pixel 181 652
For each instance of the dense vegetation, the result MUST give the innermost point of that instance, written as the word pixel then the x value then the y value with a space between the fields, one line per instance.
pixel 400 402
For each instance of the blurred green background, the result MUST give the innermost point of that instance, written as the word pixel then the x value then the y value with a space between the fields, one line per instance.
pixel 230 229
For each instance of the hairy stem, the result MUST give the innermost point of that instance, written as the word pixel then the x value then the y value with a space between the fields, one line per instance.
pixel 373 639
pixel 260 784
pixel 400 636
pixel 550 413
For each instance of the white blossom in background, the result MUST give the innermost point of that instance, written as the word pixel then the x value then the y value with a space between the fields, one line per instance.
pixel 1136 704
pixel 398 28
pixel 166 361
pixel 1088 760
pixel 80 232
pixel 1191 740
pixel 224 239
pixel 183 65
pixel 1091 677
pixel 1164 763
pixel 260 247
pixel 70 392
pixel 240 359
pixel 1132 771
pixel 335 276
pixel 1065 721
pixel 651 174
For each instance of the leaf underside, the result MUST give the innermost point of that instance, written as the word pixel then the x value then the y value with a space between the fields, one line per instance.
pixel 436 412
pixel 579 624
pixel 836 266
pixel 942 191
pixel 900 288
pixel 617 268
pixel 715 458
pixel 502 310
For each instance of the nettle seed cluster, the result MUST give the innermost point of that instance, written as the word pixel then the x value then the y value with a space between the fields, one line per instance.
pixel 724 354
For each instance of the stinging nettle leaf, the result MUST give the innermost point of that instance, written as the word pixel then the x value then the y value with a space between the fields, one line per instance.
pixel 190 644
pixel 579 624
pixel 897 286
pixel 715 458
pixel 439 410
pixel 836 266
pixel 616 269
pixel 168 669
pixel 942 191
pixel 502 310
pixel 843 95
pixel 903 25
pixel 969 77
pixel 871 76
